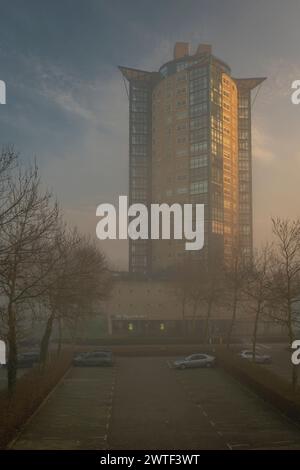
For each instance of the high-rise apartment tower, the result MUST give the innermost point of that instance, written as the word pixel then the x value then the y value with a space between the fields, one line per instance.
pixel 190 142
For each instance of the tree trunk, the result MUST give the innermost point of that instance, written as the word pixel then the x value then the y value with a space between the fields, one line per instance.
pixel 59 342
pixel 183 315
pixel 294 376
pixel 74 333
pixel 194 314
pixel 46 340
pixel 12 364
pixel 234 308
pixel 254 341
pixel 291 338
pixel 209 309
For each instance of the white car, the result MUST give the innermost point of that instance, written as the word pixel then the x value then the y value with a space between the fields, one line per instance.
pixel 259 358
pixel 195 360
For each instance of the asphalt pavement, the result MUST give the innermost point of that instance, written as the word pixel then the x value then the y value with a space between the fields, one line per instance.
pixel 143 403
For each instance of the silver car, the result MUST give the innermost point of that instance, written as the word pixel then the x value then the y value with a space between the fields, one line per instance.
pixel 259 358
pixel 195 360
pixel 94 358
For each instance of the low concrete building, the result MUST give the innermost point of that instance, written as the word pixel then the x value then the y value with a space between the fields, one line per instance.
pixel 141 305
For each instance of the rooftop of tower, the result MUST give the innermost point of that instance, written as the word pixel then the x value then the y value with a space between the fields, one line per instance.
pixel 182 58
pixel 182 49
pixel 182 55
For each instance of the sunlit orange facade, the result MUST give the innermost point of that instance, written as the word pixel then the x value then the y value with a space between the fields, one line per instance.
pixel 230 167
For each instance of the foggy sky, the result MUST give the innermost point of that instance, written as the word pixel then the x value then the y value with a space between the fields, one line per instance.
pixel 66 102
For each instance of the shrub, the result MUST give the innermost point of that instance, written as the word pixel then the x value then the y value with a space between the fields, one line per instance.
pixel 272 388
pixel 31 389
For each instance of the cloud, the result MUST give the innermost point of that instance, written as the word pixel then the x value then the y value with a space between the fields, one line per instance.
pixel 68 101
pixel 261 145
pixel 280 74
pixel 93 168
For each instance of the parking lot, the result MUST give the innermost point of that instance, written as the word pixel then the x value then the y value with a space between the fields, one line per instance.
pixel 143 403
pixel 75 414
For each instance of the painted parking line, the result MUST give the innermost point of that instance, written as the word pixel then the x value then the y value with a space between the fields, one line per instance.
pixel 239 445
pixel 259 346
pixel 265 346
pixel 283 442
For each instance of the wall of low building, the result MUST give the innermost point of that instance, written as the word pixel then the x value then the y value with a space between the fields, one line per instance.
pixel 153 307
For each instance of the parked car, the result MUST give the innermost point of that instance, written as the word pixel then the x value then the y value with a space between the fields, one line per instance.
pixel 259 358
pixel 195 360
pixel 93 358
pixel 28 359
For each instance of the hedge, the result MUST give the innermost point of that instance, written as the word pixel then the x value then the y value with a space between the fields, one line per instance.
pixel 272 388
pixel 31 389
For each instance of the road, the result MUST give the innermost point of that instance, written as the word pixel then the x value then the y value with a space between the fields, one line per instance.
pixel 142 403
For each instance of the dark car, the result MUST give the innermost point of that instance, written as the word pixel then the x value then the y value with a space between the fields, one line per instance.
pixel 28 359
pixel 93 359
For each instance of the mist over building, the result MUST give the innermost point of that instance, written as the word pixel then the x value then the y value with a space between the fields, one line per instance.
pixel 190 142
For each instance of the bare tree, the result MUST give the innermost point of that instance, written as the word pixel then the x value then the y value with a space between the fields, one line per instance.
pixel 198 284
pixel 44 270
pixel 234 281
pixel 8 160
pixel 30 216
pixel 256 288
pixel 212 285
pixel 78 282
pixel 189 288
pixel 181 281
pixel 9 165
pixel 285 285
pixel 207 284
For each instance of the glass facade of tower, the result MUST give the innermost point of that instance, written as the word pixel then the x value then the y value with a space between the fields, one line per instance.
pixel 199 144
pixel 245 169
pixel 190 142
pixel 140 135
